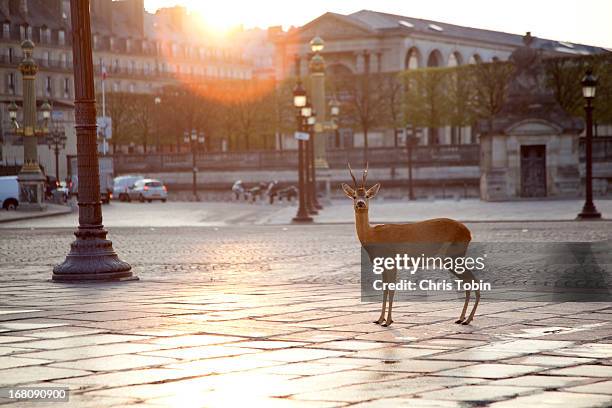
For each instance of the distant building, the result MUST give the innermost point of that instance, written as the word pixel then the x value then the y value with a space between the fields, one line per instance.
pixel 393 43
pixel 139 51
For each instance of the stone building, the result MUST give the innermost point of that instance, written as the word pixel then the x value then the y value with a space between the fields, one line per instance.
pixel 139 51
pixel 392 43
pixel 530 148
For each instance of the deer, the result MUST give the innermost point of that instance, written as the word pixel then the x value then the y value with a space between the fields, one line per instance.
pixel 444 231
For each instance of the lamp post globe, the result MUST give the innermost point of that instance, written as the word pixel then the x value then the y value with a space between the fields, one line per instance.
pixel 334 108
pixel 589 85
pixel 45 108
pixel 299 96
pixel 12 109
pixel 317 44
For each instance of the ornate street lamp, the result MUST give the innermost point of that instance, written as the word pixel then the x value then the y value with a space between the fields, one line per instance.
pixel 195 140
pixel 317 80
pixel 31 179
pixel 91 257
pixel 299 102
pixel 56 141
pixel 589 86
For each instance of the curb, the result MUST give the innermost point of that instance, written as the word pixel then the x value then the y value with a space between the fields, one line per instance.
pixel 41 214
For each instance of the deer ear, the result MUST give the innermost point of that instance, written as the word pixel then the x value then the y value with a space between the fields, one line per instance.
pixel 348 190
pixel 372 191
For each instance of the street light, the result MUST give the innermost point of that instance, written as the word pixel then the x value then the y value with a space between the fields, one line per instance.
pixel 307 120
pixel 31 179
pixel 589 86
pixel 299 102
pixel 317 86
pixel 312 202
pixel 334 110
pixel 299 96
pixel 91 256
pixel 194 139
pixel 56 141
pixel 45 108
pixel 317 44
pixel 157 101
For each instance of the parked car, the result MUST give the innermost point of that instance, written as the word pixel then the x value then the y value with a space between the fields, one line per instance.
pixel 148 190
pixel 9 192
pixel 122 184
pixel 61 192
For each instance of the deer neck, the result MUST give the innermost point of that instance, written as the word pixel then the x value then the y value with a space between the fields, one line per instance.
pixel 362 224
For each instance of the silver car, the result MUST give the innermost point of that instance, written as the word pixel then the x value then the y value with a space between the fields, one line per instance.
pixel 122 184
pixel 148 190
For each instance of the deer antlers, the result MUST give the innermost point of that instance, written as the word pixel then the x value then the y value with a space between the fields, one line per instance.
pixel 363 179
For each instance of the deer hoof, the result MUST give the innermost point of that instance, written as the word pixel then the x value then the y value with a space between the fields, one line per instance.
pixel 379 321
pixel 387 323
pixel 465 323
pixel 459 321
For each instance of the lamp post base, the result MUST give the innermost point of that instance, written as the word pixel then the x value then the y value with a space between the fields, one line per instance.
pixel 301 219
pixel 92 258
pixel 589 212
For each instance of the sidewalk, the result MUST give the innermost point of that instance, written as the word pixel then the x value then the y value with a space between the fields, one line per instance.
pixel 270 316
pixel 50 211
pixel 472 210
pixel 171 344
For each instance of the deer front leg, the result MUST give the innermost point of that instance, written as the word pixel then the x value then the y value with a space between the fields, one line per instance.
pixel 465 305
pixel 381 319
pixel 392 279
pixel 471 316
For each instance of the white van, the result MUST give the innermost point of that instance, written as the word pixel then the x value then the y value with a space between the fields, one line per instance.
pixel 9 192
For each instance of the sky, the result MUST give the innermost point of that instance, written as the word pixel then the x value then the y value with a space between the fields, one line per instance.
pixel 584 21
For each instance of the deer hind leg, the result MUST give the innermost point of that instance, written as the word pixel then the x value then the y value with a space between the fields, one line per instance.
pixel 473 312
pixel 465 306
pixel 392 279
pixel 468 276
pixel 381 319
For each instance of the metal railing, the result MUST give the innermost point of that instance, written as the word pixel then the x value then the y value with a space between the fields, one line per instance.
pixel 441 155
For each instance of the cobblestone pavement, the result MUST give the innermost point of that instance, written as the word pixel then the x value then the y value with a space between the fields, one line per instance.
pixel 267 316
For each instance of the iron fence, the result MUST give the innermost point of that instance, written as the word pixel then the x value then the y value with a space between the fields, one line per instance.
pixel 441 155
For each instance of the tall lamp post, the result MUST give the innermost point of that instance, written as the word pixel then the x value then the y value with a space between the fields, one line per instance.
pixel 31 179
pixel 91 256
pixel 195 140
pixel 56 141
pixel 308 120
pixel 411 142
pixel 317 79
pixel 589 86
pixel 157 101
pixel 299 101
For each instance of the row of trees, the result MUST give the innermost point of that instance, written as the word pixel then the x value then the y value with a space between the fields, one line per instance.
pixel 249 115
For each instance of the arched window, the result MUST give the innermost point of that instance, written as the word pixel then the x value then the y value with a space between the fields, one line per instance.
pixel 474 59
pixel 455 59
pixel 434 59
pixel 413 59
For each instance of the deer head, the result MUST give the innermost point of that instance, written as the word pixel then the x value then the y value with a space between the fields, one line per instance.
pixel 359 194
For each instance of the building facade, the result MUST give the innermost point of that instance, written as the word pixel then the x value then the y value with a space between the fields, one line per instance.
pixel 389 43
pixel 136 51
